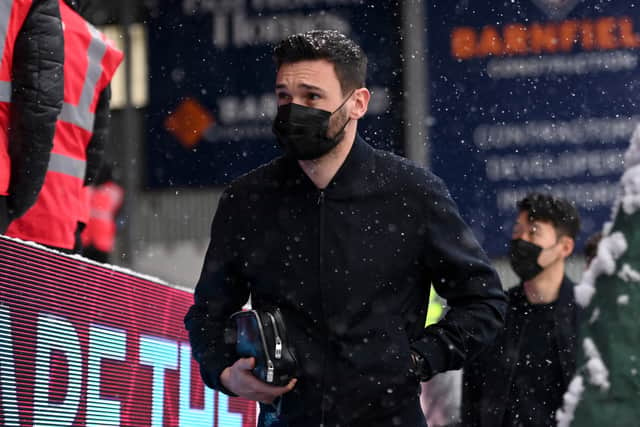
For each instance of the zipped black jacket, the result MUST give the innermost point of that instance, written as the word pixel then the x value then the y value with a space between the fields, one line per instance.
pixel 350 267
pixel 488 378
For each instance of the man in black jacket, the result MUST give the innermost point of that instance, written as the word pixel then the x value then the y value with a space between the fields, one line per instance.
pixel 346 240
pixel 520 380
pixel 36 100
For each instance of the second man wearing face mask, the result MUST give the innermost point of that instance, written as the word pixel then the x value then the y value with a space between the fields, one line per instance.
pixel 520 380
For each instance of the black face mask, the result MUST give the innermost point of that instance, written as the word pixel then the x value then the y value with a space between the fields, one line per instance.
pixel 302 131
pixel 524 259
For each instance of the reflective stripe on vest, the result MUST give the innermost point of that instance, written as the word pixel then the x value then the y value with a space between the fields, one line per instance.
pixel 114 192
pixel 106 199
pixel 101 214
pixel 5 17
pixel 13 14
pixel 67 165
pixel 81 115
pixel 5 91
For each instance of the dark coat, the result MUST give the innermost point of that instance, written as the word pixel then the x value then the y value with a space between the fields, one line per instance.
pixel 487 379
pixel 350 267
pixel 36 100
pixel 97 143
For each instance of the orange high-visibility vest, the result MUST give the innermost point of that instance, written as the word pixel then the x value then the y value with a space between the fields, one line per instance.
pixel 89 64
pixel 100 232
pixel 12 16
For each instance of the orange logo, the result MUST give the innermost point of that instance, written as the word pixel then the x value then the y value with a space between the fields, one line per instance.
pixel 189 122
pixel 606 33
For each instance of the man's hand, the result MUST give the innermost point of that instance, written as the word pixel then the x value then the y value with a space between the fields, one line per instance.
pixel 238 379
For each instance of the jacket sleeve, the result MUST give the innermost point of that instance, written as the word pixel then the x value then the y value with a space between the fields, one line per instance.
pixel 470 407
pixel 220 291
pixel 98 142
pixel 462 274
pixel 37 96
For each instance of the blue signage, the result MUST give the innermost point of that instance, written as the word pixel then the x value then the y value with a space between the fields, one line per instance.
pixel 532 95
pixel 212 81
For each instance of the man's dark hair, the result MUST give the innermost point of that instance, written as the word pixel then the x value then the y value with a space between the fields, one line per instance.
pixel 347 57
pixel 559 212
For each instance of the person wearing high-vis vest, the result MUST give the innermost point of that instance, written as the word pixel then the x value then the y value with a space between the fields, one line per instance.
pixel 31 95
pixel 90 63
pixel 105 200
pixel 440 396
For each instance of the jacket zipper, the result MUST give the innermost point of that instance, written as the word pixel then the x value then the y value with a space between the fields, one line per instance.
pixel 278 356
pixel 278 341
pixel 521 336
pixel 322 302
pixel 270 367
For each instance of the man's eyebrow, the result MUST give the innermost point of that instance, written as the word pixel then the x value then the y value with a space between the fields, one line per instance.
pixel 303 86
pixel 311 87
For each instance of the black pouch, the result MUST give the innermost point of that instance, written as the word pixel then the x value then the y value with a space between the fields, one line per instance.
pixel 262 334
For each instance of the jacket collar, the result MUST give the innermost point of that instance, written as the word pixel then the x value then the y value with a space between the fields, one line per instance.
pixel 566 324
pixel 565 294
pixel 351 178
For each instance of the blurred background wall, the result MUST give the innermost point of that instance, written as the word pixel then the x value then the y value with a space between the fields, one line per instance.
pixel 192 108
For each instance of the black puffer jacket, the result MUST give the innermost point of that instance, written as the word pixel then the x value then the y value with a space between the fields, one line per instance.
pixel 350 267
pixel 36 101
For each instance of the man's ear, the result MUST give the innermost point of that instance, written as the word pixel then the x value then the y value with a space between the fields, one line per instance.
pixel 567 244
pixel 361 99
